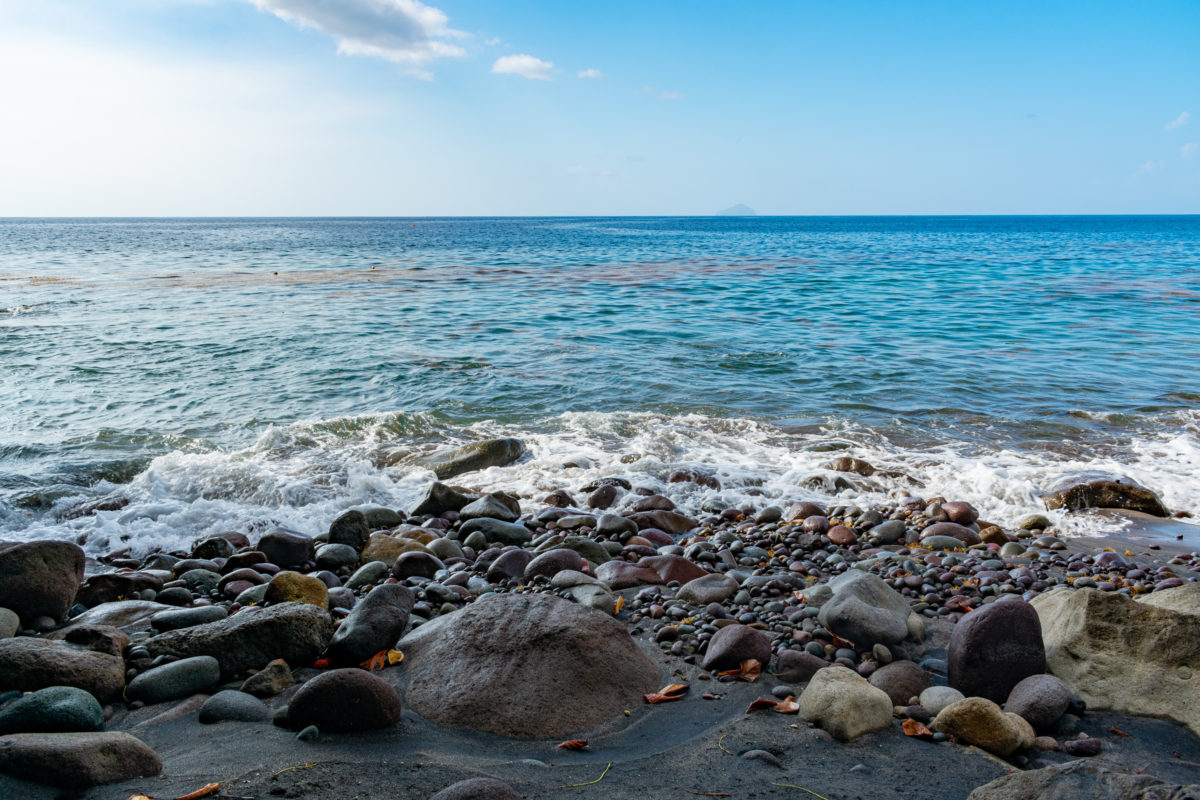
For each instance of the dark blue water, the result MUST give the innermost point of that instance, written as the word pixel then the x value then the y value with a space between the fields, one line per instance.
pixel 121 342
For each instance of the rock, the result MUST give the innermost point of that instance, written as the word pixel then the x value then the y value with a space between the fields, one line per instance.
pixel 1032 521
pixel 964 535
pixel 213 547
pixel 615 525
pixel 295 632
pixel 387 548
pixel 286 549
pixel 526 666
pixel 672 568
pixel 177 679
pixel 344 700
pixel 478 789
pixel 655 502
pixel 368 574
pixel 350 528
pixel 130 616
pixel 672 522
pixel 29 664
pixel 559 498
pixel 471 457
pixel 52 710
pixel 292 587
pixel 491 506
pixel 440 498
pixel 865 610
pixel 853 465
pixel 1040 700
pixel 380 518
pixel 336 556
pixel 551 562
pixel 960 512
pixel 888 532
pixel 100 638
pixel 233 706
pixel 935 698
pixel 1082 748
pixel 622 575
pixel 798 666
pixel 77 760
pixel 497 531
pixel 901 681
pixel 603 497
pixel 733 644
pixel 270 680
pixel 979 721
pixel 842 536
pixel 10 623
pixel 39 579
pixel 376 623
pixel 1077 779
pixel 593 595
pixel 593 551
pixel 994 648
pixel 199 581
pixel 763 755
pixel 1099 490
pixel 1129 656
pixel 707 589
pixel 843 703
pixel 423 565
pixel 186 617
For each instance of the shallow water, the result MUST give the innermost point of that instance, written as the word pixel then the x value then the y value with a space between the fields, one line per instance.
pixel 240 373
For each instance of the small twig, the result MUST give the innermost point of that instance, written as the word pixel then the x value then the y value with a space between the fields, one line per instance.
pixel 801 788
pixel 723 735
pixel 589 783
pixel 305 765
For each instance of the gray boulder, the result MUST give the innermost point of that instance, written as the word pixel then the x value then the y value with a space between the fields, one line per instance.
pixel 77 760
pixel 707 589
pixel 526 666
pixel 1040 699
pixel 39 579
pixel 1085 490
pixel 439 498
pixel 841 702
pixel 491 506
pixel 30 664
pixel 187 617
pixel 478 789
pixel 350 528
pixel 376 623
pixel 233 706
pixel 295 632
pixel 901 681
pixel 733 644
pixel 865 610
pixel 1075 779
pixel 181 678
pixel 497 531
pixel 52 710
pixel 471 457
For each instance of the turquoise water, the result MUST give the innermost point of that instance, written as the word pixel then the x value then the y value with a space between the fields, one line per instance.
pixel 279 369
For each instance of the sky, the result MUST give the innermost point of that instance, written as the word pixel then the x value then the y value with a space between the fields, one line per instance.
pixel 489 107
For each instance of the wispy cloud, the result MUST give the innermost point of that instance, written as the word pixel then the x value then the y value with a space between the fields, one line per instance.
pixel 1189 149
pixel 404 32
pixel 1148 167
pixel 665 95
pixel 1178 122
pixel 590 73
pixel 525 65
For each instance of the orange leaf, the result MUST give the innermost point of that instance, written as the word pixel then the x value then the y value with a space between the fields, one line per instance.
pixel 840 642
pixel 322 663
pixel 913 728
pixel 1118 732
pixel 375 662
pixel 673 692
pixel 788 706
pixel 750 669
pixel 139 797
pixel 203 791
pixel 573 744
pixel 619 605
pixel 394 657
pixel 762 702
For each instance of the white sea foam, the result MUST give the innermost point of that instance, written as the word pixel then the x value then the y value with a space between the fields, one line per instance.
pixel 301 476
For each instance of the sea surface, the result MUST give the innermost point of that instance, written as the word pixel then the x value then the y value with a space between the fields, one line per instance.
pixel 235 374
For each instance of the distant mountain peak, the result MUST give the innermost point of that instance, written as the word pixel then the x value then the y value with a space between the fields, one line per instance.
pixel 740 210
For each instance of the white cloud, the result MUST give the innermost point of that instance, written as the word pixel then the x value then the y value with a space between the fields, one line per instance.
pixel 590 73
pixel 1178 122
pixel 662 94
pixel 402 31
pixel 525 65
pixel 1189 149
pixel 1148 167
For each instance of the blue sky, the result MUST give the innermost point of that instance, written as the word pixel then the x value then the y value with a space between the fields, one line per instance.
pixel 394 107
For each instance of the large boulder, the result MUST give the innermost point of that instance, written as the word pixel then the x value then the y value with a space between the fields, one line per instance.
pixel 439 498
pixel 1082 779
pixel 865 610
pixel 77 760
pixel 496 505
pixel 345 700
pixel 994 648
pixel 286 549
pixel 30 664
pixel 1099 490
pixel 471 457
pixel 181 678
pixel 1131 656
pixel 376 623
pixel 295 632
pixel 39 579
pixel 526 666
pixel 844 704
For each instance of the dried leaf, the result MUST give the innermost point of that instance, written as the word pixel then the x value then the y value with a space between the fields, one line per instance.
pixel 750 669
pixel 840 642
pixel 203 791
pixel 375 662
pixel 762 702
pixel 618 606
pixel 139 797
pixel 394 657
pixel 673 692
pixel 913 728
pixel 1118 732
pixel 322 663
pixel 573 744
pixel 788 706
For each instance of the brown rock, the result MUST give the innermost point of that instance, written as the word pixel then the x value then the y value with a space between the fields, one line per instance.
pixel 39 579
pixel 77 760
pixel 345 700
pixel 30 664
pixel 292 587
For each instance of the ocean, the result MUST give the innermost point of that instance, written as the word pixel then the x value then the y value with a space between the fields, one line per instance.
pixel 238 374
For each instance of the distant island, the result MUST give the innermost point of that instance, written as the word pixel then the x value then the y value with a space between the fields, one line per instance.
pixel 740 210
